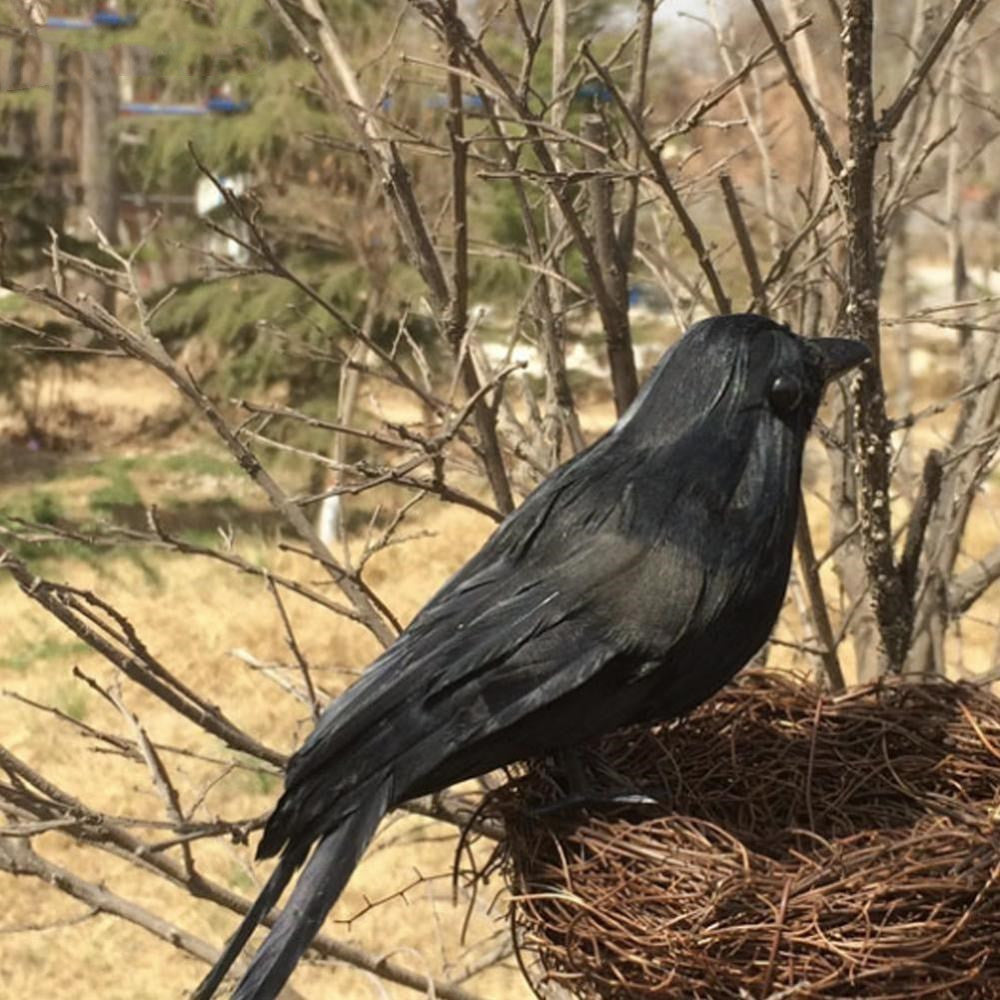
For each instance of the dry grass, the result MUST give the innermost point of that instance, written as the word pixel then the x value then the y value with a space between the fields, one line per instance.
pixel 192 620
pixel 193 614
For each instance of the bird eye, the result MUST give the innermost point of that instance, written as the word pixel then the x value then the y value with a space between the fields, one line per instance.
pixel 785 393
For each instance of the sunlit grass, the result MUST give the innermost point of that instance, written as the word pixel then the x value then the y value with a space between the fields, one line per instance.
pixel 195 614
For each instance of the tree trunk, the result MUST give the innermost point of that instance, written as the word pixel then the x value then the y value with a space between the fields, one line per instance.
pixel 98 154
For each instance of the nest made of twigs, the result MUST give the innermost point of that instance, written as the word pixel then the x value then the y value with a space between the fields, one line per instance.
pixel 806 846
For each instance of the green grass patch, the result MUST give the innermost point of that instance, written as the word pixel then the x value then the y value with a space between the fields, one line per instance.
pixel 240 880
pixel 200 463
pixel 40 506
pixel 118 492
pixel 45 507
pixel 72 700
pixel 193 462
pixel 251 778
pixel 24 655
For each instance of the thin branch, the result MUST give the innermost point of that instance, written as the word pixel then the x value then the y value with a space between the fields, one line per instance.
pixel 456 326
pixel 137 664
pixel 618 336
pixel 809 568
pixel 655 161
pixel 892 115
pixel 919 518
pixel 968 586
pixel 93 828
pixel 694 115
pixel 743 238
pixel 18 858
pixel 819 129
pixel 142 345
pixel 293 645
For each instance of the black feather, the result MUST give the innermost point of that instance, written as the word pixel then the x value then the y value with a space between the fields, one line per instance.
pixel 629 587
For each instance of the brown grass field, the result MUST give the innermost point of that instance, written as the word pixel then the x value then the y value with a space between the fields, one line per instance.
pixel 194 614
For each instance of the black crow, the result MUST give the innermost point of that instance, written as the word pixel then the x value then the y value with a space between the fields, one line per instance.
pixel 627 588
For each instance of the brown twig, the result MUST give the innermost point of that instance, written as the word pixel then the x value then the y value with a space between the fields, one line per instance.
pixel 293 645
pixel 814 118
pixel 50 802
pixel 142 345
pixel 747 252
pixel 809 568
pixel 893 114
pixel 69 606
pixel 655 161
pixel 618 336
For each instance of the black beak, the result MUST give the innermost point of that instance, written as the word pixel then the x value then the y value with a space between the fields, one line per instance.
pixel 839 355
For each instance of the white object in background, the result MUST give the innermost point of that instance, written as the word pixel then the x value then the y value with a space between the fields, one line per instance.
pixel 207 198
pixel 328 522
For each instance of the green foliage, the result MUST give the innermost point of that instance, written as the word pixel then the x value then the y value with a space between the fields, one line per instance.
pixel 190 60
pixel 240 880
pixel 36 505
pixel 12 363
pixel 199 461
pixel 260 328
pixel 27 210
pixel 316 199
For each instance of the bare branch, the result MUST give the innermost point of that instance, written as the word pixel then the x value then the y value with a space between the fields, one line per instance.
pixel 759 303
pixel 819 129
pixel 68 605
pixel 293 645
pixel 893 114
pixel 618 337
pixel 919 518
pixel 691 230
pixel 18 858
pixel 809 568
pixel 968 586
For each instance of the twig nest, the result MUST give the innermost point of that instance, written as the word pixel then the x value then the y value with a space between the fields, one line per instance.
pixel 806 846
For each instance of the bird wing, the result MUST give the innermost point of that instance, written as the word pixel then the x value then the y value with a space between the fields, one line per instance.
pixel 534 615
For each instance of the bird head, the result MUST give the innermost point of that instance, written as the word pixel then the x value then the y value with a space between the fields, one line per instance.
pixel 728 368
pixel 723 420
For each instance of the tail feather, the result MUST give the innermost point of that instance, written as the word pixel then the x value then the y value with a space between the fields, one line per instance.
pixel 321 882
pixel 269 895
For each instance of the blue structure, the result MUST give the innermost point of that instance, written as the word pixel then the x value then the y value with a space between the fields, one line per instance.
pixel 110 20
pixel 221 104
pixel 213 106
pixel 594 90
